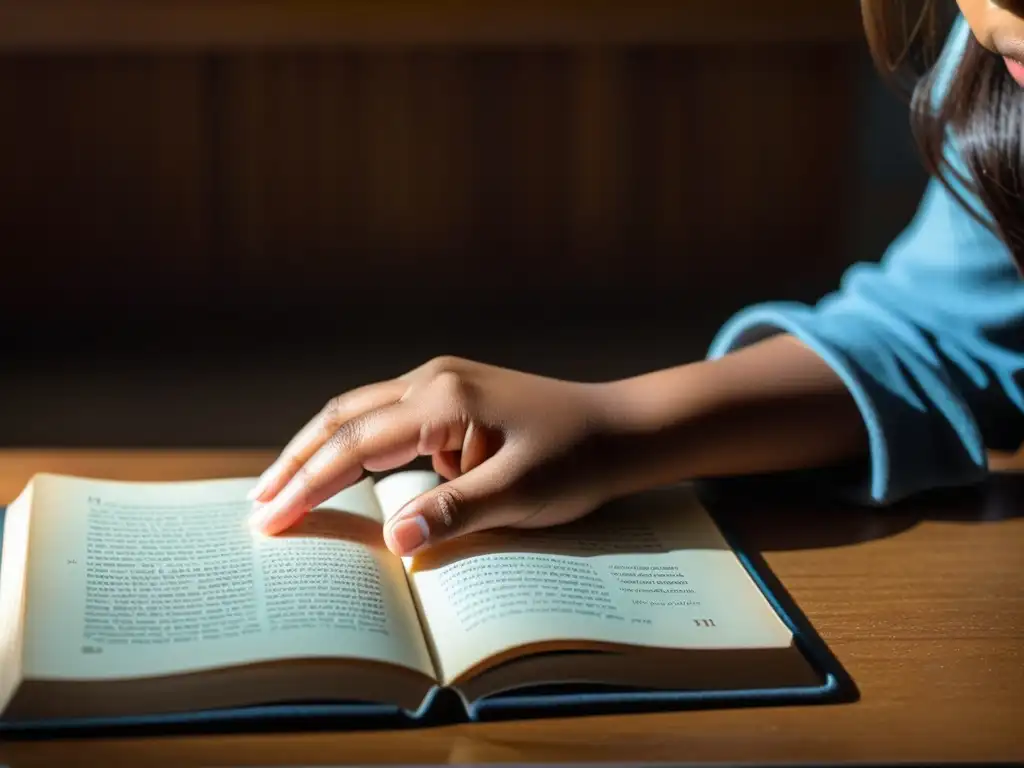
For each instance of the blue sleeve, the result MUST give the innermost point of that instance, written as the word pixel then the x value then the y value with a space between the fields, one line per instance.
pixel 930 344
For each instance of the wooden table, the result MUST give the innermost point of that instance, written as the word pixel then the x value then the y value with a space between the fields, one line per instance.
pixel 923 605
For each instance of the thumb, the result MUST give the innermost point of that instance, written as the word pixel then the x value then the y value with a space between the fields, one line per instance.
pixel 468 503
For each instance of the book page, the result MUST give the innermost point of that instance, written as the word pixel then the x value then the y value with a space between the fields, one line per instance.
pixel 131 579
pixel 652 570
pixel 399 488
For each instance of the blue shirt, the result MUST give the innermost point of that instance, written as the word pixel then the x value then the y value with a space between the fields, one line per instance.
pixel 929 342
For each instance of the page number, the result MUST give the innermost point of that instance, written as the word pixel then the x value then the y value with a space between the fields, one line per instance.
pixel 704 622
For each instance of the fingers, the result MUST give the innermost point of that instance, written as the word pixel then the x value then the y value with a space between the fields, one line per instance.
pixel 319 430
pixel 376 439
pixel 477 446
pixel 446 464
pixel 298 497
pixel 471 502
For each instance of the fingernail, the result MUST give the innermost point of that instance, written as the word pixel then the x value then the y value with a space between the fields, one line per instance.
pixel 409 534
pixel 261 485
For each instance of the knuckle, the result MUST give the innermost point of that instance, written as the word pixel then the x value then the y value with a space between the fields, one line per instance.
pixel 333 412
pixel 293 464
pixel 345 439
pixel 450 506
pixel 451 386
pixel 443 364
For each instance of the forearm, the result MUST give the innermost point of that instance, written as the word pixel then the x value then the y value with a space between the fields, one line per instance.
pixel 770 407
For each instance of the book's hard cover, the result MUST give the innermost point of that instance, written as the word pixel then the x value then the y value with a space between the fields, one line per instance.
pixel 445 707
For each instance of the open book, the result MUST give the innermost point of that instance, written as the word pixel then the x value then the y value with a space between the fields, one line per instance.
pixel 121 599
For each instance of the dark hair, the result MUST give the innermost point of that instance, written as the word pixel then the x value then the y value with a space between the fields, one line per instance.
pixel 983 108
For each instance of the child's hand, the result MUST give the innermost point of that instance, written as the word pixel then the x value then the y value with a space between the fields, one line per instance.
pixel 527 451
pixel 516 450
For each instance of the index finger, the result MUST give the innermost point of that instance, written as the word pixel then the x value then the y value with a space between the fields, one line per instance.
pixel 319 430
pixel 339 462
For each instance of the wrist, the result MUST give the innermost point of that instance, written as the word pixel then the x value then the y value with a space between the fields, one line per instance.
pixel 649 403
pixel 647 425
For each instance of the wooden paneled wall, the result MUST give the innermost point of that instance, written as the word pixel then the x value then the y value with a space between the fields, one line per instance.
pixel 342 175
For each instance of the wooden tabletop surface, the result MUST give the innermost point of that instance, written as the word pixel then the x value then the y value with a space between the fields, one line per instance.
pixel 922 604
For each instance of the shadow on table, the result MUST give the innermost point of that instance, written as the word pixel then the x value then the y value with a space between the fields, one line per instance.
pixel 760 515
pixel 774 514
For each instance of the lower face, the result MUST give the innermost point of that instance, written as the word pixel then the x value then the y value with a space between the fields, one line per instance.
pixel 999 26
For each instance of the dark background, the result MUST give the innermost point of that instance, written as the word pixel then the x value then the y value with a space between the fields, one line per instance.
pixel 212 222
